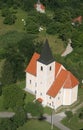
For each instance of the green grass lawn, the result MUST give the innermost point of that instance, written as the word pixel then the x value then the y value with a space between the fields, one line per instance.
pixel 36 125
pixel 29 97
pixel 19 26
pixel 75 123
pixel 55 43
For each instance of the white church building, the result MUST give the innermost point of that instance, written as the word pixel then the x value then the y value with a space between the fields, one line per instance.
pixel 49 80
pixel 40 7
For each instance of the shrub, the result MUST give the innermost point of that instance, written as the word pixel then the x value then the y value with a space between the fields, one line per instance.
pixel 81 115
pixel 69 114
pixel 5 12
pixel 9 19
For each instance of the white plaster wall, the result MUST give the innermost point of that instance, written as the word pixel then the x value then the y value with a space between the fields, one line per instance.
pixel 38 8
pixel 57 101
pixel 45 78
pixel 30 82
pixel 51 102
pixel 66 96
pixel 74 92
pixel 59 98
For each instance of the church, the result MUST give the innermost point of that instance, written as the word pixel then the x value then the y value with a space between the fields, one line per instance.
pixel 51 83
pixel 40 7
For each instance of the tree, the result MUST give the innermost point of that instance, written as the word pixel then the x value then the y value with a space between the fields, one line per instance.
pixel 13 97
pixel 28 5
pixel 37 111
pixel 7 74
pixel 32 27
pixel 26 48
pixel 5 12
pixel 81 115
pixel 10 19
pixel 19 54
pixel 0 88
pixel 38 46
pixel 20 117
pixel 69 114
pixel 7 124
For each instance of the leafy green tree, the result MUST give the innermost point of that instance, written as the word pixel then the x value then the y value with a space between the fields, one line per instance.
pixel 32 27
pixel 81 115
pixel 7 124
pixel 37 111
pixel 28 5
pixel 10 19
pixel 69 114
pixel 35 20
pixel 26 48
pixel 13 97
pixel 12 55
pixel 0 88
pixel 38 46
pixel 5 12
pixel 7 74
pixel 19 55
pixel 20 117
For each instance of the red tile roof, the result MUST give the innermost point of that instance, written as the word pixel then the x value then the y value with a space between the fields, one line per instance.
pixel 40 100
pixel 71 81
pixel 78 19
pixel 31 68
pixel 58 83
pixel 42 7
pixel 65 79
pixel 57 67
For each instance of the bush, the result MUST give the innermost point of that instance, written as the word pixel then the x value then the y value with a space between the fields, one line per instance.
pixel 10 19
pixel 81 115
pixel 37 111
pixel 20 117
pixel 7 124
pixel 5 12
pixel 69 114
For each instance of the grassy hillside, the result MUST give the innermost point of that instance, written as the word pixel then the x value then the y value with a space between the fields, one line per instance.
pixel 18 26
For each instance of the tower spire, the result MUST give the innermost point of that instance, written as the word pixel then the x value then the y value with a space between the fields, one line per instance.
pixel 46 54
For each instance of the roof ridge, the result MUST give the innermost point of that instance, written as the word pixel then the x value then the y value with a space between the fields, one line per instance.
pixel 57 84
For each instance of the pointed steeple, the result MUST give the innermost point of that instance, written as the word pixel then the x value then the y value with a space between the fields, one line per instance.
pixel 46 54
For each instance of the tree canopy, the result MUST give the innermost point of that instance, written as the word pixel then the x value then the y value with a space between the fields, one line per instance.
pixel 13 97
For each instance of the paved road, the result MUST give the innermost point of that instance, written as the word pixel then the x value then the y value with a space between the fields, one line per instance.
pixel 6 114
pixel 55 119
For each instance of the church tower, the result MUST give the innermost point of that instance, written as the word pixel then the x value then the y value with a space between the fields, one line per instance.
pixel 45 70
